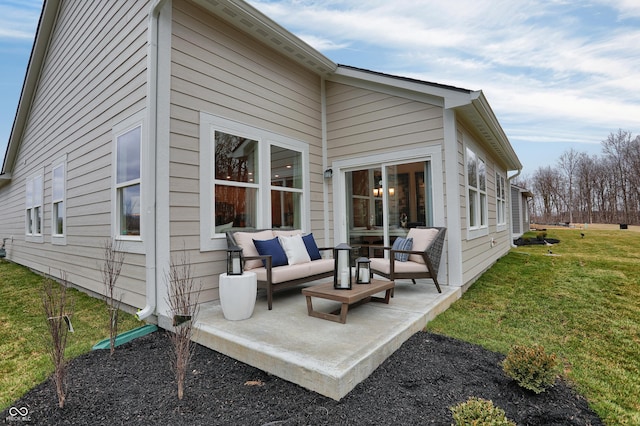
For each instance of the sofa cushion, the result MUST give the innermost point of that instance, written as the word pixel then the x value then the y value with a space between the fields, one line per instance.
pixel 292 272
pixel 244 240
pixel 273 248
pixel 421 240
pixel 402 244
pixel 312 247
pixel 286 232
pixel 295 249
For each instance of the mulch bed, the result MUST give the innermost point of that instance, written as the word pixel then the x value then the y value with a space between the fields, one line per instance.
pixel 416 385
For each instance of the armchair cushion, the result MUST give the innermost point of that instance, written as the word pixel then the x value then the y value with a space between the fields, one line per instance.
pixel 421 240
pixel 271 247
pixel 402 244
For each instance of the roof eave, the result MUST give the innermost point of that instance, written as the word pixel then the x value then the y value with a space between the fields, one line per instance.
pixel 479 112
pixel 250 20
pixel 38 53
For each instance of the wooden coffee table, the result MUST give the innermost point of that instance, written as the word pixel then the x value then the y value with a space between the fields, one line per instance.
pixel 359 294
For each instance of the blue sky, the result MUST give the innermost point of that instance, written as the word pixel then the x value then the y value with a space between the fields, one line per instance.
pixel 559 74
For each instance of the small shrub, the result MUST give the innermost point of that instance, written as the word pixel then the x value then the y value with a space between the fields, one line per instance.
pixel 479 412
pixel 541 236
pixel 531 367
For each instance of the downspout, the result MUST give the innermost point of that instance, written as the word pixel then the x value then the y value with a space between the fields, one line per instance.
pixel 325 165
pixel 509 179
pixel 152 111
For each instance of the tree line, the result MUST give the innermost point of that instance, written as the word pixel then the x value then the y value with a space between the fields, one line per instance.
pixel 586 188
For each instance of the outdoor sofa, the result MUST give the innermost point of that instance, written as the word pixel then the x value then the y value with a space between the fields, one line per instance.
pixel 279 260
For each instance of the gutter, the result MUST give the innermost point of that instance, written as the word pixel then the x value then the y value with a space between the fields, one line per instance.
pixel 509 179
pixel 152 111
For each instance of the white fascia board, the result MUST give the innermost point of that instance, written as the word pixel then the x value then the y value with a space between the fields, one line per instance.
pixel 38 54
pixel 249 19
pixel 387 86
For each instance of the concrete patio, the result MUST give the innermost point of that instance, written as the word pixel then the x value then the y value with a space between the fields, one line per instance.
pixel 326 357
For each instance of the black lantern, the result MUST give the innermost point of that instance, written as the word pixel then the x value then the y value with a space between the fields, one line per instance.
pixel 363 270
pixel 234 261
pixel 342 267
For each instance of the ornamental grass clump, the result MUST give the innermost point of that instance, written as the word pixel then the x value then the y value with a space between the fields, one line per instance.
pixel 479 412
pixel 531 367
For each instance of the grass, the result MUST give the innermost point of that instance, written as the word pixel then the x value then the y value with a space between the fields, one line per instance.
pixel 582 302
pixel 24 361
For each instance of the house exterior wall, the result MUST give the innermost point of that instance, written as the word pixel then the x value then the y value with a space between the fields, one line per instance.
pixel 93 76
pixel 479 252
pixel 220 70
pixel 361 121
pixel 367 127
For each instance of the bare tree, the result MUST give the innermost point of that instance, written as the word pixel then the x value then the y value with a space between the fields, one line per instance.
pixel 58 309
pixel 183 304
pixel 616 148
pixel 111 268
pixel 568 163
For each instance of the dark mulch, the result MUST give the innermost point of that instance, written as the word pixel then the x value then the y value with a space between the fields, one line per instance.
pixel 534 241
pixel 416 385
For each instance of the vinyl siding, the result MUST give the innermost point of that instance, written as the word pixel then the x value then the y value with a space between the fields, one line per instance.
pixel 477 253
pixel 363 121
pixel 94 75
pixel 220 70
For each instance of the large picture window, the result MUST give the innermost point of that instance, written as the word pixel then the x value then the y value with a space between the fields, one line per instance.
pixel 477 210
pixel 250 178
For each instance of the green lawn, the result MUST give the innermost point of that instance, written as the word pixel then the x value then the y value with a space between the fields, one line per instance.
pixel 24 362
pixel 582 302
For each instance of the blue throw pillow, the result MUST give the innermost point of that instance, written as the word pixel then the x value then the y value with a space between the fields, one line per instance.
pixel 271 247
pixel 312 247
pixel 402 244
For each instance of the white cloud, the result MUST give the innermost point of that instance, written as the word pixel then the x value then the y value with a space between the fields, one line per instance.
pixel 19 19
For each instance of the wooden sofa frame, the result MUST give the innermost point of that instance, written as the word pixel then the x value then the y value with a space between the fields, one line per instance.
pixel 267 284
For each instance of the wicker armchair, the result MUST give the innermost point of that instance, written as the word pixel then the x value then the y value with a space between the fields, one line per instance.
pixel 424 257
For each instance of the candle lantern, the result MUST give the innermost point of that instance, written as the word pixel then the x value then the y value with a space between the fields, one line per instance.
pixel 363 270
pixel 234 261
pixel 342 267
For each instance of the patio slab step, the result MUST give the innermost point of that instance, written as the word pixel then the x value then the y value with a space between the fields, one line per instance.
pixel 323 356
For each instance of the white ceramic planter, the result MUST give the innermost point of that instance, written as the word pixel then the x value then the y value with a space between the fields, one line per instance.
pixel 238 295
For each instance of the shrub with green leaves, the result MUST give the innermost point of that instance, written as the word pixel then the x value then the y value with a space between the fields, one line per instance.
pixel 531 367
pixel 479 412
pixel 541 235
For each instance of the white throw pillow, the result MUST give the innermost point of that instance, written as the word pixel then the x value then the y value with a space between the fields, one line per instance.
pixel 295 249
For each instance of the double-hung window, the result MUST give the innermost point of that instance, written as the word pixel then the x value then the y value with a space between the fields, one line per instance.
pixel 34 218
pixel 127 195
pixel 249 178
pixel 501 200
pixel 476 194
pixel 58 198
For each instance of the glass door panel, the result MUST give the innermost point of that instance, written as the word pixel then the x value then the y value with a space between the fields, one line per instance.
pixel 383 203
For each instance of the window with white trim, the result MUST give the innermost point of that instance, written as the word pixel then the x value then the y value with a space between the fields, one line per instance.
pixel 128 187
pixel 476 192
pixel 58 201
pixel 34 218
pixel 501 200
pixel 249 178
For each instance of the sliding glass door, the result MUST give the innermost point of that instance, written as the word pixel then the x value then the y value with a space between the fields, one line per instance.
pixel 385 201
